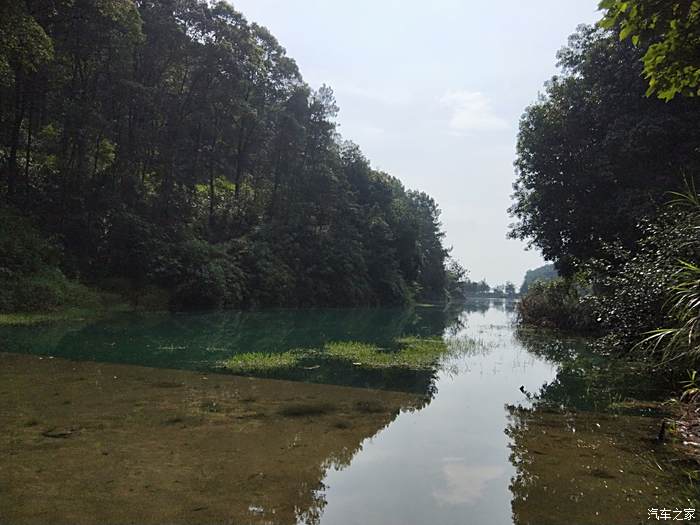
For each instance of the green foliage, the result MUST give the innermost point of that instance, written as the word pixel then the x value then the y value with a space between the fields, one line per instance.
pixel 671 31
pixel 411 353
pixel 683 340
pixel 596 160
pixel 259 362
pixel 691 386
pixel 203 275
pixel 628 290
pixel 24 45
pixel 455 278
pixel 29 277
pixel 23 250
pixel 476 288
pixel 176 146
pixel 595 156
pixel 557 303
pixel 680 338
pixel 632 286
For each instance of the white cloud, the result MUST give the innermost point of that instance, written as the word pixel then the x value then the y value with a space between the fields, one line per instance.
pixel 465 484
pixel 471 111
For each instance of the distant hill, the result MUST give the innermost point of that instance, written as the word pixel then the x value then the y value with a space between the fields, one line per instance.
pixel 543 273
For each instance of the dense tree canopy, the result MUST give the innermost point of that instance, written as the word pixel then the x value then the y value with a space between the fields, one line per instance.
pixel 607 188
pixel 174 144
pixel 595 156
pixel 671 31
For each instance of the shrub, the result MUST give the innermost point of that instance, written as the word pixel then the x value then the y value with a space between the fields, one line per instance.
pixel 23 250
pixel 556 304
pixel 631 289
pixel 30 279
pixel 680 338
pixel 201 275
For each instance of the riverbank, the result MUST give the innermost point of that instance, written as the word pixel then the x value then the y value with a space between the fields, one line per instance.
pixel 681 414
pixel 455 435
pixel 89 443
pixel 63 314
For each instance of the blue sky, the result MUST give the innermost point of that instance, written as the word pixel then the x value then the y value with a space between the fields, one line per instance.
pixel 432 92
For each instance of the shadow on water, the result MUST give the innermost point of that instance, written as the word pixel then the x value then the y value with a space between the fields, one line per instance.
pixel 204 341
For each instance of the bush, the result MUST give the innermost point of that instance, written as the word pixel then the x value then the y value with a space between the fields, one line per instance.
pixel 30 280
pixel 631 289
pixel 647 297
pixel 23 250
pixel 680 336
pixel 556 304
pixel 201 275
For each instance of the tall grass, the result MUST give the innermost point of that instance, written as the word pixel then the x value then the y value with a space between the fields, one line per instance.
pixel 681 340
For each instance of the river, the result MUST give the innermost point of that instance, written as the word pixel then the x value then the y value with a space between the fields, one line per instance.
pixel 131 420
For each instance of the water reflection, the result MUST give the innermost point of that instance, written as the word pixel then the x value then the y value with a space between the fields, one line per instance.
pixel 584 446
pixel 102 443
pixel 201 341
pixel 521 427
pixel 586 379
pixel 573 450
pixel 204 341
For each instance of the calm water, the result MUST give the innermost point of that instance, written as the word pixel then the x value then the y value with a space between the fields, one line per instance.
pixel 510 428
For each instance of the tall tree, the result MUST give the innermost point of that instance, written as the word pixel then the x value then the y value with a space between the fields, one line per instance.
pixel 594 156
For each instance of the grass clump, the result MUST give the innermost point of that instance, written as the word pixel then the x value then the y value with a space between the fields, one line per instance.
pixel 260 361
pixel 409 353
pixel 412 353
pixel 61 314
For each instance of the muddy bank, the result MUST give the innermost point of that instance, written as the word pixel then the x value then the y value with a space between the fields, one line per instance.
pixel 585 468
pixel 92 443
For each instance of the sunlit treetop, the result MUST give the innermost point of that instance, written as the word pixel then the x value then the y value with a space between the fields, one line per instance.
pixel 671 30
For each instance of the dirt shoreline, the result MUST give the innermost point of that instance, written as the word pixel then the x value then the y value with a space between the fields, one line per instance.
pixel 88 443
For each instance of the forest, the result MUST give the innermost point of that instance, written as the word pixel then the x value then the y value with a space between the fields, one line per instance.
pixel 171 152
pixel 215 309
pixel 608 166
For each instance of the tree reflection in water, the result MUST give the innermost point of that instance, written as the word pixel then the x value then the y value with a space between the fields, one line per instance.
pixel 583 453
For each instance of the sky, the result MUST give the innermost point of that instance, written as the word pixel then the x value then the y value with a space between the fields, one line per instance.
pixel 432 92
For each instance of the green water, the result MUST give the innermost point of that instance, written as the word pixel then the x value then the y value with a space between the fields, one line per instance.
pixel 201 341
pixel 511 427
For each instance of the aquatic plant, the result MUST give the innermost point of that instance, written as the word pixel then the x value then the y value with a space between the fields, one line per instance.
pixel 259 361
pixel 409 353
pixel 412 352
